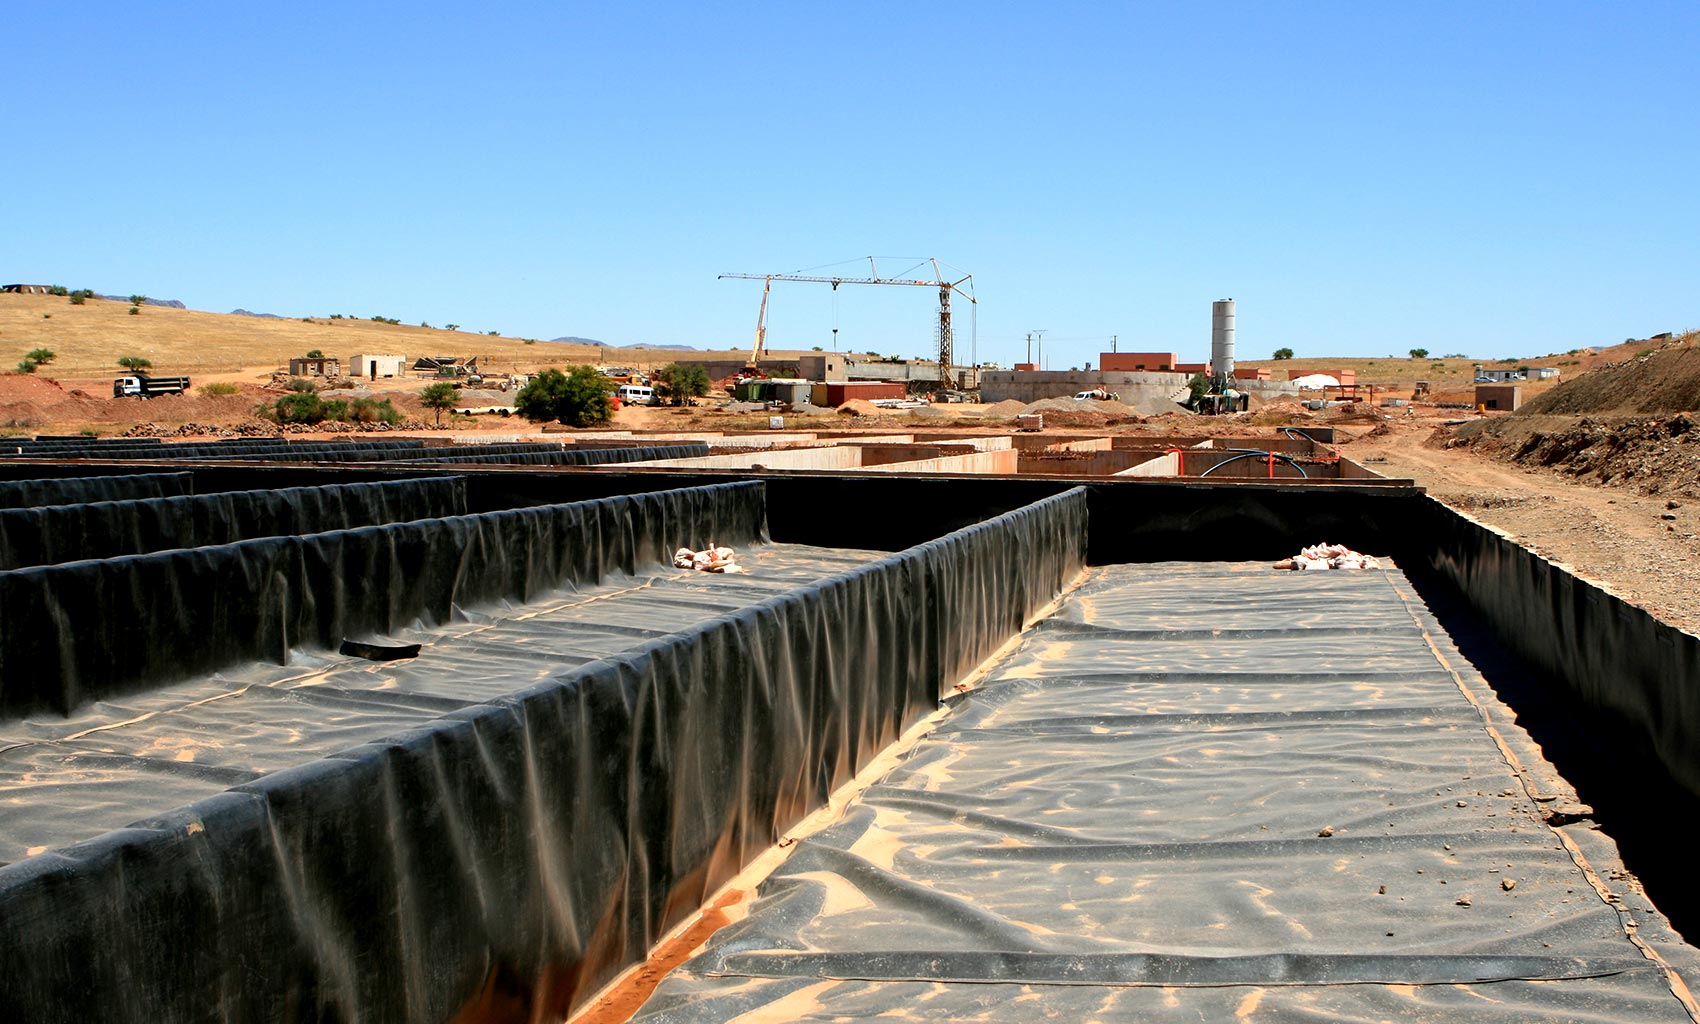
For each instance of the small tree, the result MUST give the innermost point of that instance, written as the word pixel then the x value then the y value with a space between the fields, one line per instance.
pixel 1419 353
pixel 451 327
pixel 1199 386
pixel 315 354
pixel 138 300
pixel 40 356
pixel 81 295
pixel 135 364
pixel 579 398
pixel 1283 353
pixel 437 397
pixel 683 382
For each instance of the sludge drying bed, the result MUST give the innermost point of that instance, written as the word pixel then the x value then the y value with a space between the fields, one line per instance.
pixel 118 761
pixel 1204 791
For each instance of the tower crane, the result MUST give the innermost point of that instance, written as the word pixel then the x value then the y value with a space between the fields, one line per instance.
pixel 963 286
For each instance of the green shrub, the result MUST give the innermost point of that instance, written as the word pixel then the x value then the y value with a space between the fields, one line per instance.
pixel 579 398
pixel 333 409
pixel 369 410
pixel 682 382
pixel 219 388
pixel 27 366
pixel 58 289
pixel 299 407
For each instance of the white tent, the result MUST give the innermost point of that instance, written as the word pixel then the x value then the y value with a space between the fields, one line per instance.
pixel 1315 382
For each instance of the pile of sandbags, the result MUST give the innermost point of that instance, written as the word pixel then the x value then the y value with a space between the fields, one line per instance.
pixel 709 559
pixel 1329 556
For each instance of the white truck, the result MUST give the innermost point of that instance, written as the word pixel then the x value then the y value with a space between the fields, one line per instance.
pixel 142 386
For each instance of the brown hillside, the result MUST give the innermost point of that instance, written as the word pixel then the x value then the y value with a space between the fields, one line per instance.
pixel 1662 380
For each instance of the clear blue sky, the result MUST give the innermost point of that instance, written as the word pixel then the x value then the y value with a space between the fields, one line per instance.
pixel 1494 179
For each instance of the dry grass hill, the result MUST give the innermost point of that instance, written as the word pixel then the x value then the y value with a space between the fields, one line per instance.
pixel 88 340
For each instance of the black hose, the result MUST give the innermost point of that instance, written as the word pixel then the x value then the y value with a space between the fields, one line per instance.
pixel 1246 453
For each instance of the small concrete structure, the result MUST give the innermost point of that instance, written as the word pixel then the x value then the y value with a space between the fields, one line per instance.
pixel 823 366
pixel 323 366
pixel 1503 397
pixel 27 289
pixel 373 367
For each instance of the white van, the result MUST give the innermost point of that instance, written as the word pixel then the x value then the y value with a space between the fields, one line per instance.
pixel 636 394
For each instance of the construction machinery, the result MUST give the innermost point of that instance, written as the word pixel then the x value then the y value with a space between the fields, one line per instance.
pixel 963 286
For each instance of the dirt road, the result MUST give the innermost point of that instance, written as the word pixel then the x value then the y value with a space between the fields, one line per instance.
pixel 1616 538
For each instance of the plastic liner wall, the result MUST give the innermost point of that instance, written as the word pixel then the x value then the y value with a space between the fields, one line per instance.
pixel 575 456
pixel 148 619
pixel 72 490
pixel 65 533
pixel 508 858
pixel 1617 658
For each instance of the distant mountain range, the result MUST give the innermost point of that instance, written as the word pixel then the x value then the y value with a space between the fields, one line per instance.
pixel 262 316
pixel 604 344
pixel 169 303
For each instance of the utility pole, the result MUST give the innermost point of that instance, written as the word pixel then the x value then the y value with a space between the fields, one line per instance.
pixel 1041 335
pixel 1112 343
pixel 1029 348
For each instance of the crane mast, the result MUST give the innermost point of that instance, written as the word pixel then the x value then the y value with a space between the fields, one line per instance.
pixel 963 286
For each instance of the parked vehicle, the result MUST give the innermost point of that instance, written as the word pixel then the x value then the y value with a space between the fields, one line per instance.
pixel 142 386
pixel 636 394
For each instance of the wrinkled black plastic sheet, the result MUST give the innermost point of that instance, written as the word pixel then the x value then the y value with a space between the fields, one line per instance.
pixel 252 448
pixel 65 533
pixel 1196 792
pixel 574 456
pixel 126 446
pixel 1615 657
pixel 86 630
pixel 520 852
pixel 72 490
pixel 67 779
pixel 356 453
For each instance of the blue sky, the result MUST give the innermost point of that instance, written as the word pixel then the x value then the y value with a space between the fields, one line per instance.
pixel 1493 179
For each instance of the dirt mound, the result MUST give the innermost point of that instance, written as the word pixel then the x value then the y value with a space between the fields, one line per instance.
pixel 1661 381
pixel 1270 414
pixel 859 407
pixel 1654 456
pixel 1092 412
pixel 1009 408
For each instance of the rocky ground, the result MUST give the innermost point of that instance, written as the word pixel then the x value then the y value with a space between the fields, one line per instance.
pixel 1611 518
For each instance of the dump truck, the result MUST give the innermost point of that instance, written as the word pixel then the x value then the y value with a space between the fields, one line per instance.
pixel 142 386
